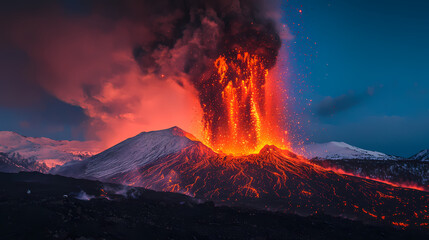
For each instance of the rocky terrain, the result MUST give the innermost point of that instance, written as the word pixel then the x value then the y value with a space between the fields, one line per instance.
pixel 38 206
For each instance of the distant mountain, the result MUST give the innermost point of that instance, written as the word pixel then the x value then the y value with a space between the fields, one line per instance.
pixel 421 156
pixel 341 150
pixel 44 150
pixel 17 164
pixel 413 171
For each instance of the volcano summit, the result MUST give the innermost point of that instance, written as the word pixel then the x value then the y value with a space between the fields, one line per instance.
pixel 172 160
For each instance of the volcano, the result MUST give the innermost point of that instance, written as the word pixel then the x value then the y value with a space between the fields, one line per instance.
pixel 174 161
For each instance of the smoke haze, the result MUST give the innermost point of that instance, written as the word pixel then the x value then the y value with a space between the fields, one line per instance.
pixel 135 66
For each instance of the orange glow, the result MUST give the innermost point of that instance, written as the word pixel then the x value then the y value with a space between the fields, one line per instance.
pixel 401 185
pixel 103 193
pixel 400 224
pixel 51 163
pixel 245 123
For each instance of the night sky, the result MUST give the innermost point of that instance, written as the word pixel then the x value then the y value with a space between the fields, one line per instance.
pixel 364 65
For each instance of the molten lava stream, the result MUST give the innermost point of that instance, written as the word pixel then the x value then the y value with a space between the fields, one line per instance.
pixel 394 184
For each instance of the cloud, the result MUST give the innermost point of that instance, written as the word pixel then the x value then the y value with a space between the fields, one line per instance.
pixel 330 106
pixel 15 74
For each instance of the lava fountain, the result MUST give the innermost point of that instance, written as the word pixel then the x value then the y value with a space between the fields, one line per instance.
pixel 238 105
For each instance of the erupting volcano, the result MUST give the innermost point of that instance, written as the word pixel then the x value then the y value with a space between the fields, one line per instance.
pixel 218 69
pixel 244 157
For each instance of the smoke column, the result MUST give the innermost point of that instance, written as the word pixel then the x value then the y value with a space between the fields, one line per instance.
pixel 142 65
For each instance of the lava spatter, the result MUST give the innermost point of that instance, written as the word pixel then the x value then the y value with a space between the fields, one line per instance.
pixel 236 105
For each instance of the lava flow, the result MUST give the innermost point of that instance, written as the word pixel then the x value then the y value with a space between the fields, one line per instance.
pixel 238 117
pixel 279 180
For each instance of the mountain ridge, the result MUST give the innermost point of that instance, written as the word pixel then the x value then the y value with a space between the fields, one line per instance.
pixel 57 152
pixel 340 150
pixel 423 156
pixel 45 150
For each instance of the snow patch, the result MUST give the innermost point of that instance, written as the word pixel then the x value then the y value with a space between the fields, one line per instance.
pixel 45 150
pixel 421 156
pixel 341 150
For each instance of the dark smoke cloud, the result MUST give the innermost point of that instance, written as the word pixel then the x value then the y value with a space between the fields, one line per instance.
pixel 121 60
pixel 14 74
pixel 330 106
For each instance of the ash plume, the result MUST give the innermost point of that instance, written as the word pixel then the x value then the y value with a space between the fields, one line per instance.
pixel 137 65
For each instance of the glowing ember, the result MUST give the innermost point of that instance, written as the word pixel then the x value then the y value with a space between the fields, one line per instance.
pixel 236 117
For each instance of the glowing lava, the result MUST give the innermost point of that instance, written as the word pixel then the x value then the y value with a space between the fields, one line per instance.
pixel 279 180
pixel 238 115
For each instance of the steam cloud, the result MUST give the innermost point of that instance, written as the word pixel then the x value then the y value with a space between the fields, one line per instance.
pixel 137 65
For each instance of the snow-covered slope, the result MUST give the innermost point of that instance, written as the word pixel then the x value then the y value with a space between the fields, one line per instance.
pixel 45 150
pixel 8 165
pixel 130 154
pixel 341 150
pixel 421 156
pixel 16 164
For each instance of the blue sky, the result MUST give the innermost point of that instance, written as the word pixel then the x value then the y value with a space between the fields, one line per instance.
pixel 365 67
